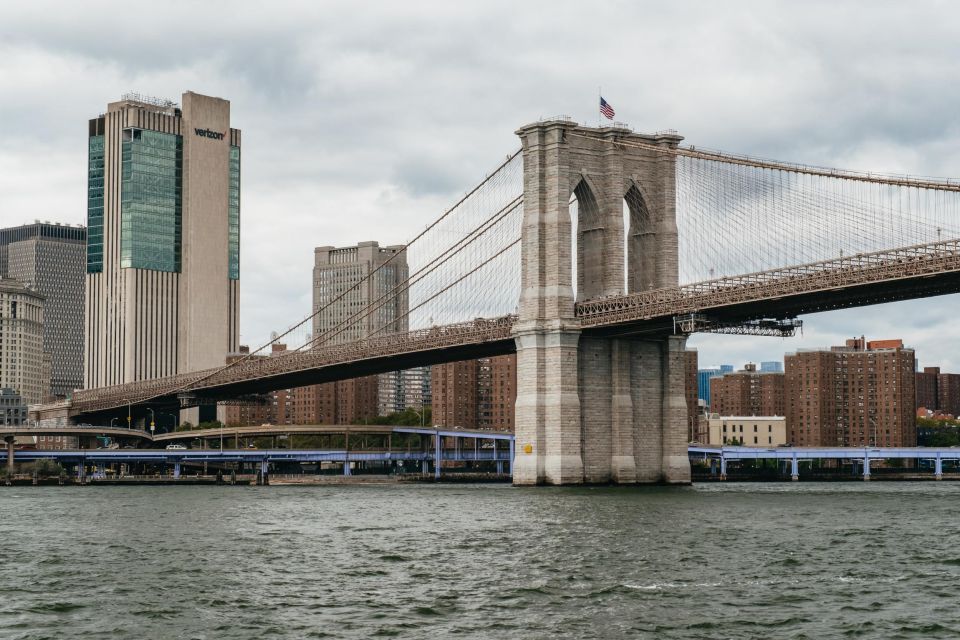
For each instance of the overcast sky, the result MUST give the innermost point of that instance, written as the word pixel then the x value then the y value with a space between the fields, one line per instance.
pixel 361 121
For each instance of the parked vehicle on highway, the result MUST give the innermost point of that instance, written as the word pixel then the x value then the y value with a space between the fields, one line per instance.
pixel 176 447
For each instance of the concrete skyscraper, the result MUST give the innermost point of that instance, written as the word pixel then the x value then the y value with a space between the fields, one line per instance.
pixel 163 243
pixel 50 258
pixel 342 290
pixel 24 365
pixel 342 295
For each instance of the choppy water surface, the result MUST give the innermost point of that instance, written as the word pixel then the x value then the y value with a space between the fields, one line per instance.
pixel 733 561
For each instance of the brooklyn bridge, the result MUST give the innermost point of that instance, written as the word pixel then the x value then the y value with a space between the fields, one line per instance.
pixel 593 253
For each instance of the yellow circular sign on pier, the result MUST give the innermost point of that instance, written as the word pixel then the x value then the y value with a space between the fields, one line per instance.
pixel 528 448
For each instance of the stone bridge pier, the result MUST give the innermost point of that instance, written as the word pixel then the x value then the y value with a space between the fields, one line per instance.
pixel 596 409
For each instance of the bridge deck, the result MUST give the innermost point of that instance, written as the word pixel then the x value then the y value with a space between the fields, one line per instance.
pixel 862 279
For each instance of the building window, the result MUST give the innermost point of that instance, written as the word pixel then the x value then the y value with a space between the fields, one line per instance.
pixel 150 209
pixel 233 215
pixel 95 171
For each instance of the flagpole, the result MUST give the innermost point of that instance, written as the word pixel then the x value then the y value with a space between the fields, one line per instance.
pixel 599 98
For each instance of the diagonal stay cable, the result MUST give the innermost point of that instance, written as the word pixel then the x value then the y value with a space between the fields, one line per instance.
pixel 421 273
pixel 204 375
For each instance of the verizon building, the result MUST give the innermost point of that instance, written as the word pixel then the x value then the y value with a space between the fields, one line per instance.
pixel 163 241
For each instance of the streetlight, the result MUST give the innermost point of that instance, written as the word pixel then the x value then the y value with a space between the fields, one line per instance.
pixel 112 420
pixel 153 421
pixel 173 422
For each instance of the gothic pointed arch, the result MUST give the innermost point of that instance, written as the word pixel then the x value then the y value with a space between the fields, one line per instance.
pixel 589 240
pixel 640 237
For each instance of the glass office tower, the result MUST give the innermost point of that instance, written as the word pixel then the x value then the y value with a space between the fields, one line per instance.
pixel 163 241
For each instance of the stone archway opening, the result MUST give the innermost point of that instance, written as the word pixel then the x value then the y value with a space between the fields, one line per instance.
pixel 586 239
pixel 639 270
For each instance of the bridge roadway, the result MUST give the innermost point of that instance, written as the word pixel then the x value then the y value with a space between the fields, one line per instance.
pixel 797 454
pixel 862 279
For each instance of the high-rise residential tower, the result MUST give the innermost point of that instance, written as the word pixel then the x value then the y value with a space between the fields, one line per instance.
pixel 163 242
pixel 862 394
pixel 50 259
pixel 475 394
pixel 347 283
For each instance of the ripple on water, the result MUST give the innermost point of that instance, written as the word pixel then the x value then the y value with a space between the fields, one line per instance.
pixel 751 561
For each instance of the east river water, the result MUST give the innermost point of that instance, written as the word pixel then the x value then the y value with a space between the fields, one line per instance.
pixel 802 560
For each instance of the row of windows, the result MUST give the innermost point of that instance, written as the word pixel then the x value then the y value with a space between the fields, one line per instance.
pixel 151 194
pixel 95 172
pixel 233 216
pixel 151 215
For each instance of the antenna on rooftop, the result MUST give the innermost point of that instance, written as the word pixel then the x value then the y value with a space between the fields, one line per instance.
pixel 164 103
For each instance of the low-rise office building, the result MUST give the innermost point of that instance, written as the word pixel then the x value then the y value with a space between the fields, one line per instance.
pixel 749 431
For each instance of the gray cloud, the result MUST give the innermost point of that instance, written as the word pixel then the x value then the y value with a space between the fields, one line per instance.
pixel 363 121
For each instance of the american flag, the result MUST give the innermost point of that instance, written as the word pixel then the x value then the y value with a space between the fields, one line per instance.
pixel 606 109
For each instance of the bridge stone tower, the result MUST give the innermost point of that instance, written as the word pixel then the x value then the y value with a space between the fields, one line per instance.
pixel 596 408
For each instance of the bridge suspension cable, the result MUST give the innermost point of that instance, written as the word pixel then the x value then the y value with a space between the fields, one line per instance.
pixel 442 241
pixel 699 153
pixel 734 218
pixel 740 214
pixel 400 290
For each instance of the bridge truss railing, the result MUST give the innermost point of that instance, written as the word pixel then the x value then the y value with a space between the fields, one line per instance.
pixel 866 268
pixel 438 337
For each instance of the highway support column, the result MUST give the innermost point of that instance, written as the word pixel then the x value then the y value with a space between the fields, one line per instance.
pixel 9 442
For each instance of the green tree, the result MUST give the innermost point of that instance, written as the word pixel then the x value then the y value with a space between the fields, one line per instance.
pixel 46 469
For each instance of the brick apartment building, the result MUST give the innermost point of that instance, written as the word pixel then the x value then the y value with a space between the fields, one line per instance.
pixel 860 394
pixel 938 391
pixel 475 394
pixel 748 392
